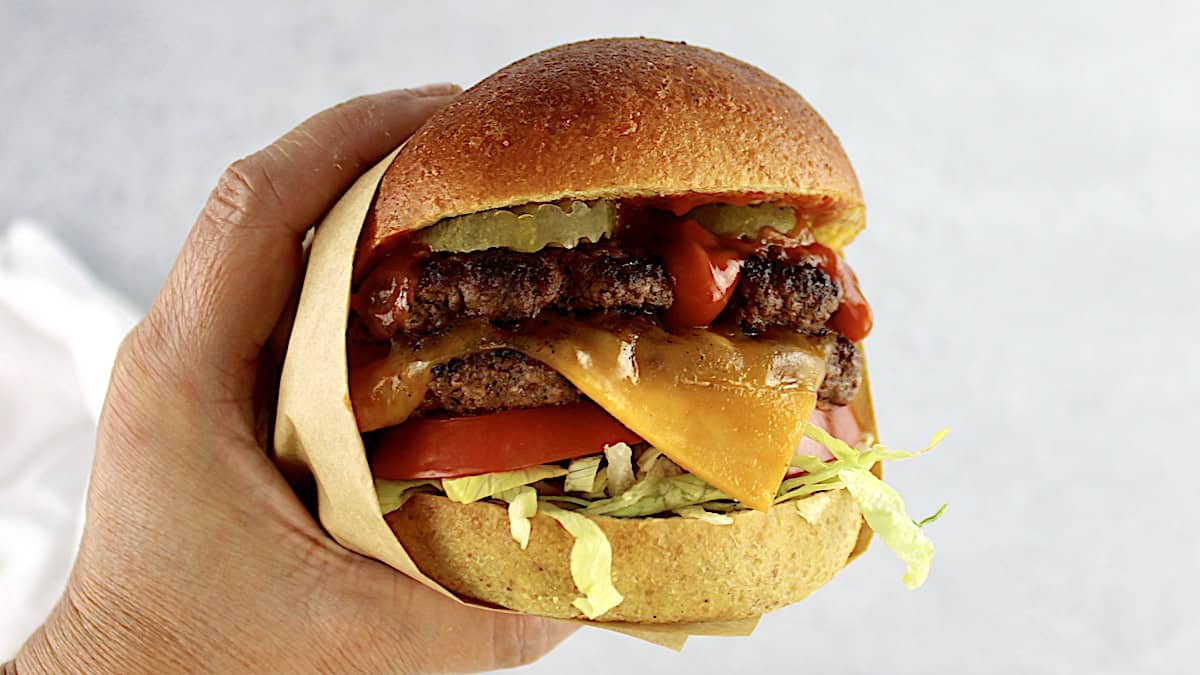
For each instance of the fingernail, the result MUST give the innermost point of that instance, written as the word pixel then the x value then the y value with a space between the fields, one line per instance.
pixel 437 89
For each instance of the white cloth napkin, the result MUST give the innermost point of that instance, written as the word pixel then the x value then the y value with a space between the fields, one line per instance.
pixel 59 331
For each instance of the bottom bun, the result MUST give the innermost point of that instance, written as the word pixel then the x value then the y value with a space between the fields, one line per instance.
pixel 670 570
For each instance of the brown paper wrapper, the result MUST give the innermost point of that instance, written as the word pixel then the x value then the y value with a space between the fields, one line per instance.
pixel 316 434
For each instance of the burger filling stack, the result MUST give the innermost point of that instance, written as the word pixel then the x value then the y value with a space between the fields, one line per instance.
pixel 606 350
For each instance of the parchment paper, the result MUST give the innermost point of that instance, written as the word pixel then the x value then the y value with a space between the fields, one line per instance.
pixel 316 435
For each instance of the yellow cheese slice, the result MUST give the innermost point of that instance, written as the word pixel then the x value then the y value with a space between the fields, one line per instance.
pixel 727 408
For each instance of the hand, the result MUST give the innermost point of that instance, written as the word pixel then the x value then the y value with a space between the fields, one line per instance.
pixel 196 554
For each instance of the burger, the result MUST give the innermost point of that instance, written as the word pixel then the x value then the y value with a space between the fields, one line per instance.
pixel 605 348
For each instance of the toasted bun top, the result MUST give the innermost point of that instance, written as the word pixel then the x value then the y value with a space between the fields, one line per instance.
pixel 627 117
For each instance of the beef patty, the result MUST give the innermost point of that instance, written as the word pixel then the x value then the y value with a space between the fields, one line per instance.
pixel 503 378
pixel 502 285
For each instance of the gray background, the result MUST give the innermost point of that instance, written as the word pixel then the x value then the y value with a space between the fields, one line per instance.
pixel 1031 182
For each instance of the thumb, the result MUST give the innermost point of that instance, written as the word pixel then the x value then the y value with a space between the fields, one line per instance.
pixel 242 259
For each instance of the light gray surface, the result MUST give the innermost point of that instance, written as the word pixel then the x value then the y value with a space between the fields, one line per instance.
pixel 1032 196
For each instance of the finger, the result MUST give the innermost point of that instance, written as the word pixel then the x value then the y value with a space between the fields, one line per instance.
pixel 242 258
pixel 419 630
pixel 270 362
pixel 520 640
pixel 438 89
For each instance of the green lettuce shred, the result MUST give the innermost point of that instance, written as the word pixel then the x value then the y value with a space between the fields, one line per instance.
pixel 698 512
pixel 581 474
pixel 620 468
pixel 933 518
pixel 654 494
pixel 522 505
pixel 474 488
pixel 591 562
pixel 647 460
pixel 618 485
pixel 599 485
pixel 392 494
pixel 880 504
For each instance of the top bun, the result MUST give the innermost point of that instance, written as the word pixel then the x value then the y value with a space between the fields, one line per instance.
pixel 612 118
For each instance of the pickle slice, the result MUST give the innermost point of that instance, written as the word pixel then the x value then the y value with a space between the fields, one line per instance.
pixel 525 228
pixel 744 221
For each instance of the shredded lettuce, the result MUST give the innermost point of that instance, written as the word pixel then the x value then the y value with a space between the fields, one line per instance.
pixel 933 518
pixel 522 505
pixel 599 486
pixel 393 493
pixel 884 511
pixel 811 508
pixel 654 494
pixel 620 468
pixel 880 504
pixel 473 488
pixel 662 467
pixel 591 562
pixel 700 513
pixel 581 474
pixel 577 502
pixel 647 460
pixel 612 484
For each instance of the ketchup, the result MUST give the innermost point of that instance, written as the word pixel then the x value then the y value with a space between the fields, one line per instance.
pixel 703 272
pixel 384 298
pixel 853 317
pixel 704 268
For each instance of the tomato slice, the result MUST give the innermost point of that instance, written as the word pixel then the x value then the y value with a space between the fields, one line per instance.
pixel 451 447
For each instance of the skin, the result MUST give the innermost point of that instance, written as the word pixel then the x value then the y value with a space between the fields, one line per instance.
pixel 196 554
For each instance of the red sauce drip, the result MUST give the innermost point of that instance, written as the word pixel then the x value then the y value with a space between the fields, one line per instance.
pixel 703 273
pixel 853 317
pixel 704 268
pixel 384 297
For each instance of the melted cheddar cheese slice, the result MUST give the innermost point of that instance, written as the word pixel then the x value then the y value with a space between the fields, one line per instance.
pixel 727 408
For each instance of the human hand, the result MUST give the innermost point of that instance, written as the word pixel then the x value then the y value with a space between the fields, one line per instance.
pixel 196 554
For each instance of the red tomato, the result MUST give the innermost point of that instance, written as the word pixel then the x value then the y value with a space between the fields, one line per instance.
pixel 450 447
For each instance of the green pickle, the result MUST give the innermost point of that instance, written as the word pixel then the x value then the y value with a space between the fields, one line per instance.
pixel 525 228
pixel 744 221
pixel 532 227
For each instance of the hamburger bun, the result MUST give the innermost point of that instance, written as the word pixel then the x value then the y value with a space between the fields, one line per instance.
pixel 670 570
pixel 621 119
pixel 617 118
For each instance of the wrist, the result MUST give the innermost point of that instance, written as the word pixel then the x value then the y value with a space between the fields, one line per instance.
pixel 88 634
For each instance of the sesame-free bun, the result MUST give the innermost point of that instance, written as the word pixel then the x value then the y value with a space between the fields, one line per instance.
pixel 616 118
pixel 644 119
pixel 670 570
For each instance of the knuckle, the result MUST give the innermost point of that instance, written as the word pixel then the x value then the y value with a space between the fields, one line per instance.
pixel 359 108
pixel 131 406
pixel 361 112
pixel 243 192
pixel 140 353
